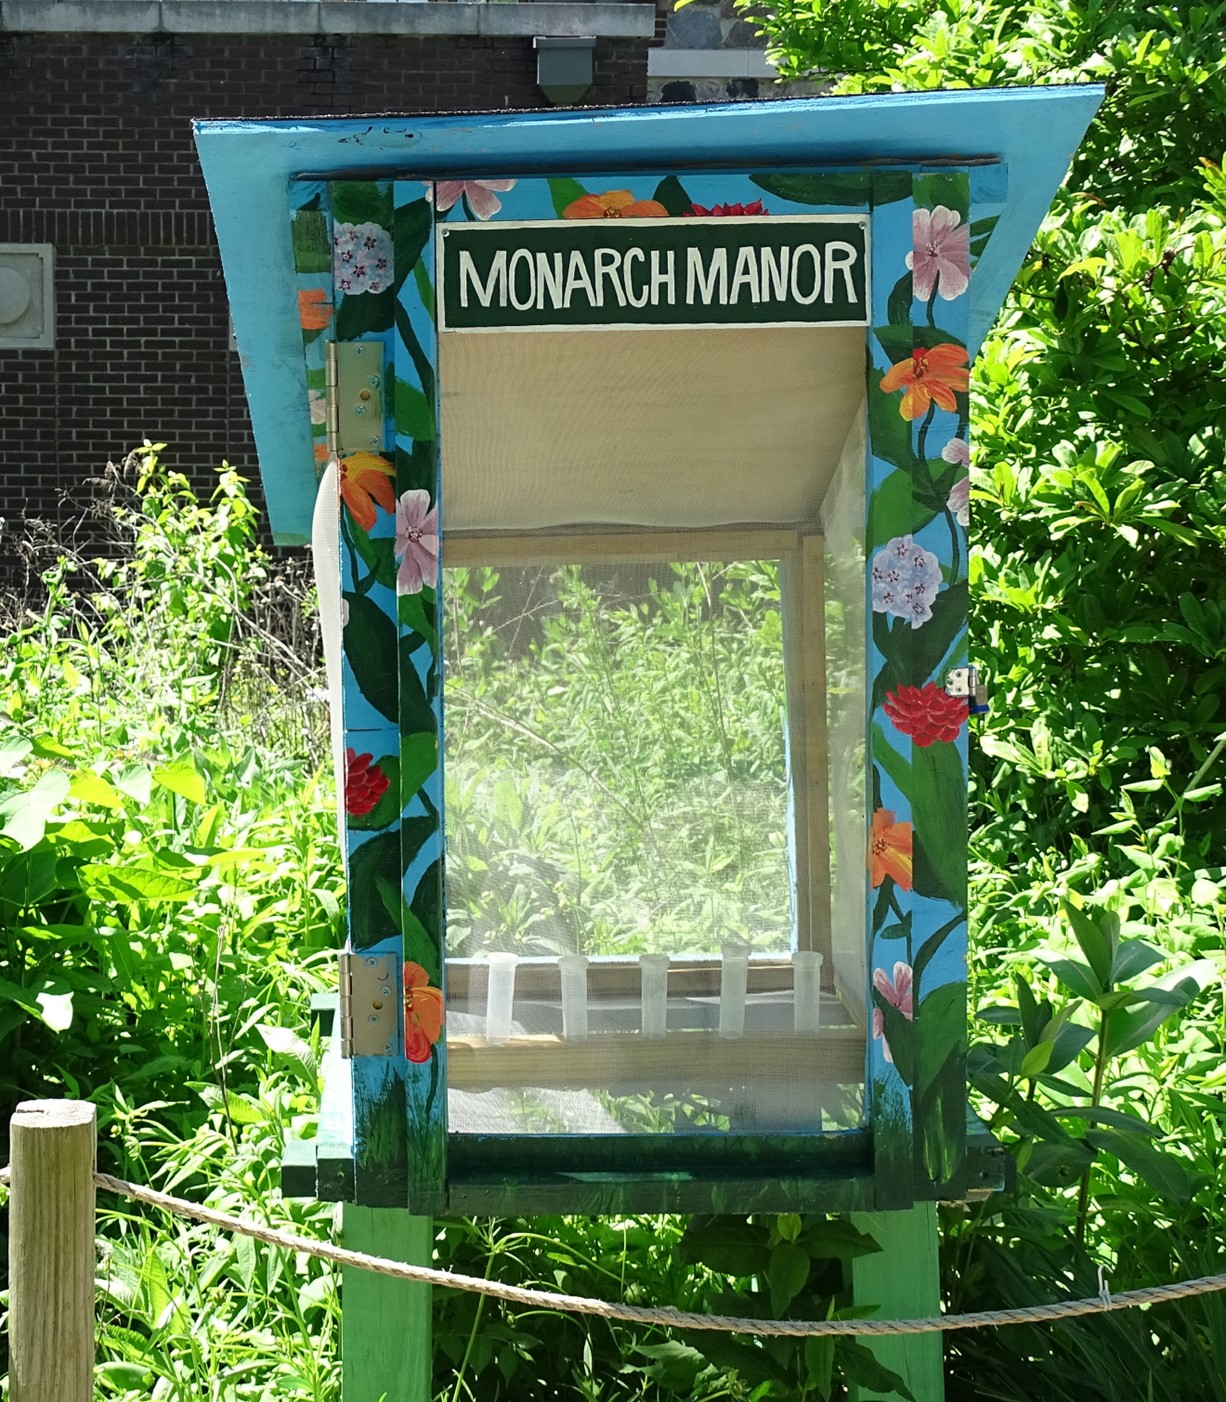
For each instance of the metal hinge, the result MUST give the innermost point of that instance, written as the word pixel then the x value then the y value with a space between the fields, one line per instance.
pixel 964 681
pixel 369 1006
pixel 353 397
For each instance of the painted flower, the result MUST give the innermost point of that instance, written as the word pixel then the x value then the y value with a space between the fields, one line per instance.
pixel 726 211
pixel 614 204
pixel 889 850
pixel 416 541
pixel 423 1013
pixel 318 406
pixel 366 478
pixel 941 258
pixel 365 784
pixel 959 503
pixel 361 258
pixel 896 991
pixel 481 196
pixel 905 579
pixel 957 450
pixel 314 308
pixel 932 375
pixel 925 713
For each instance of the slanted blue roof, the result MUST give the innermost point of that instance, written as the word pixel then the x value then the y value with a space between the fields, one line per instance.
pixel 248 167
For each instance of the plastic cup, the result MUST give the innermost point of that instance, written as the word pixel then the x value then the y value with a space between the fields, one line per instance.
pixel 734 976
pixel 573 971
pixel 807 991
pixel 653 973
pixel 500 997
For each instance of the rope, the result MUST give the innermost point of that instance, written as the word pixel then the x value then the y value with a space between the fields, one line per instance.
pixel 666 1317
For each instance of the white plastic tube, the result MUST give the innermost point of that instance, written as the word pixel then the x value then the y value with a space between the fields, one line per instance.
pixel 573 971
pixel 653 971
pixel 807 991
pixel 500 997
pixel 734 976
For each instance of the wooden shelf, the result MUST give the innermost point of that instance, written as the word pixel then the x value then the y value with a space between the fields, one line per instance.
pixel 629 1063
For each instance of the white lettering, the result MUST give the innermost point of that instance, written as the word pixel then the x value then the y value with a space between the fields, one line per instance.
pixel 841 258
pixel 577 280
pixel 716 272
pixel 816 259
pixel 548 280
pixel 607 263
pixel 521 258
pixel 775 274
pixel 635 255
pixel 666 279
pixel 497 278
pixel 745 274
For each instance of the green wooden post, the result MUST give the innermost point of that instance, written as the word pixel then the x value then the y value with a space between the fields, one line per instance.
pixel 385 1324
pixel 903 1281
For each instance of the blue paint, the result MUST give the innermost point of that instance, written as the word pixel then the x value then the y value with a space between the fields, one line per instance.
pixel 249 168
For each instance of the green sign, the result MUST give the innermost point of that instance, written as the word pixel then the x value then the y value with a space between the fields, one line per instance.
pixel 778 271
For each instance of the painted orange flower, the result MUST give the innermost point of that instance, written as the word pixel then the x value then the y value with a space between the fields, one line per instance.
pixel 932 374
pixel 366 478
pixel 314 309
pixel 614 204
pixel 889 850
pixel 423 1013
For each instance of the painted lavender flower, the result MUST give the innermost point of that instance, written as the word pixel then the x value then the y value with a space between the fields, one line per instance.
pixel 361 258
pixel 941 260
pixel 416 542
pixel 959 503
pixel 906 578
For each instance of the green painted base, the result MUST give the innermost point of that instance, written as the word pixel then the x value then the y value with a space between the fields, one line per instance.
pixel 903 1281
pixel 385 1324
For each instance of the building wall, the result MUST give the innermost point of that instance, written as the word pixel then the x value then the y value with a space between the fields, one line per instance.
pixel 96 158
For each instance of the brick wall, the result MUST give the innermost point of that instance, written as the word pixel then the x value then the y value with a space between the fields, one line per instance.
pixel 96 158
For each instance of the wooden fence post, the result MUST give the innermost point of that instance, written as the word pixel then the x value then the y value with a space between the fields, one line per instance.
pixel 51 1251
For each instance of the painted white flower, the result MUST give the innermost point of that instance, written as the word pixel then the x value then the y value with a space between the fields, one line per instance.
pixel 959 503
pixel 482 195
pixel 905 579
pixel 361 258
pixel 957 450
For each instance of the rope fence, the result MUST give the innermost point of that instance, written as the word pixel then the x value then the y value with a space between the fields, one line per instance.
pixel 666 1317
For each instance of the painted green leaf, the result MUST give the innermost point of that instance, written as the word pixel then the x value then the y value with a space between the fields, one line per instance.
pixel 416 468
pixel 362 202
pixel 417 612
pixel 312 241
pixel 940 1022
pixel 373 865
pixel 899 1033
pixel 898 305
pixel 363 312
pixel 671 194
pixel 931 946
pixel 938 801
pixel 370 649
pixel 377 553
pixel 414 412
pixel 896 766
pixel 564 192
pixel 981 232
pixel 387 810
pixel 847 188
pixel 427 902
pixel 892 510
pixel 423 364
pixel 416 712
pixel 890 436
pixel 899 342
pixel 425 288
pixel 949 188
pixel 418 759
pixel 912 655
pixel 411 228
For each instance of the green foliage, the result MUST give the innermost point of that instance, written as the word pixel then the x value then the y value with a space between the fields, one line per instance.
pixel 1097 611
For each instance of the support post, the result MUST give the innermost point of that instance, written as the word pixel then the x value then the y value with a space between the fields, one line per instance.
pixel 51 1251
pixel 903 1281
pixel 385 1323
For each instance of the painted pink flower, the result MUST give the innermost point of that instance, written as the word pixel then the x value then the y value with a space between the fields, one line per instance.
pixel 959 503
pixel 941 258
pixel 416 541
pixel 482 200
pixel 896 992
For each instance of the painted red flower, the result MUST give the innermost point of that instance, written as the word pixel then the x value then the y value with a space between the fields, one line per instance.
pixel 365 784
pixel 423 1013
pixel 925 713
pixel 726 211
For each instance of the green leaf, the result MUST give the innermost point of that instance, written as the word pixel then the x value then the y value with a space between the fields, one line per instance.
pixel 413 613
pixel 371 864
pixel 949 188
pixel 1076 976
pixel 844 189
pixel 362 202
pixel 861 1369
pixel 28 876
pixel 671 194
pixel 1131 1027
pixel 898 307
pixel 136 883
pixel 312 241
pixel 92 788
pixel 183 778
pixel 730 1245
pixel 412 226
pixel 1133 957
pixel 364 313
pixel 416 710
pixel 1155 1167
pixel 837 1239
pixel 674 1365
pixel 819 1364
pixel 370 650
pixel 894 510
pixel 913 655
pixel 1094 940
pixel 24 815
pixel 563 193
pixel 414 412
pixel 418 759
pixel 938 805
pixel 786 1275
